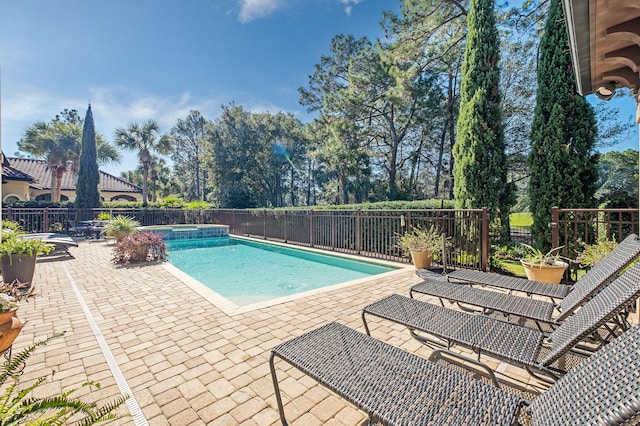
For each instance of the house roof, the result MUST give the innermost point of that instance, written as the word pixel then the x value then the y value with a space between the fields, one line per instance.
pixel 40 173
pixel 604 38
pixel 9 173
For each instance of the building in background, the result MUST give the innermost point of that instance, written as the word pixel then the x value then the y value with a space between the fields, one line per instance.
pixel 25 179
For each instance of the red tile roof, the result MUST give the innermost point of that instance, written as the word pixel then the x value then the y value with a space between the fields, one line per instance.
pixel 41 174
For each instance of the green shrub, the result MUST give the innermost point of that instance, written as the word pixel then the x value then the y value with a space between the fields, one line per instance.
pixel 120 226
pixel 592 253
pixel 203 205
pixel 172 202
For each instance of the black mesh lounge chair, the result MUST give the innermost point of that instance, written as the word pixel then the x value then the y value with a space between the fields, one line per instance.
pixel 512 343
pixel 540 311
pixel 395 387
pixel 623 254
pixel 61 242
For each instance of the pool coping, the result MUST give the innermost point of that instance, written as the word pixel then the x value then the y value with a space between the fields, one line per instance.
pixel 230 308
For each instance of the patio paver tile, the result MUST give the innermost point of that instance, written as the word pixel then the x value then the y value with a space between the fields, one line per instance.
pixel 186 361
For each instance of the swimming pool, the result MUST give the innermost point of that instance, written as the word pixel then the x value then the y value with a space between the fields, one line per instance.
pixel 246 272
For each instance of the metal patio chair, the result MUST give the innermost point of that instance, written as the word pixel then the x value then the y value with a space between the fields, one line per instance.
pixel 602 273
pixel 513 343
pixel 394 387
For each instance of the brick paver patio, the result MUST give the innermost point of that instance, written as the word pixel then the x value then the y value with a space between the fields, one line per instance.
pixel 185 361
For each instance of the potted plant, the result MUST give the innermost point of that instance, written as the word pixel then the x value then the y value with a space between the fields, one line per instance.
pixel 10 325
pixel 140 247
pixel 420 244
pixel 544 267
pixel 18 257
pixel 119 227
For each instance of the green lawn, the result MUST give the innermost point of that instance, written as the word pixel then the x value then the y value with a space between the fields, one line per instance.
pixel 520 219
pixel 512 267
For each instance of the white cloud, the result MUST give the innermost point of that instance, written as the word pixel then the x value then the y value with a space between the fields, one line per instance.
pixel 348 5
pixel 250 10
pixel 112 107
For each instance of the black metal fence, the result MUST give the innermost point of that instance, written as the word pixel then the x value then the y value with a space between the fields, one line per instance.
pixel 366 232
pixel 370 233
pixel 570 228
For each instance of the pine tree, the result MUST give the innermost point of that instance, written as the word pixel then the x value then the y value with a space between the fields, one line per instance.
pixel 561 160
pixel 480 168
pixel 87 192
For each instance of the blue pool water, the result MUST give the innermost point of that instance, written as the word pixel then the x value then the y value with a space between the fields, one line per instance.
pixel 246 272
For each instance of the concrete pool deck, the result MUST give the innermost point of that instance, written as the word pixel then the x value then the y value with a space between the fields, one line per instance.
pixel 186 362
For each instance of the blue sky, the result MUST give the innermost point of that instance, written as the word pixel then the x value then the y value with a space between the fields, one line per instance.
pixel 141 59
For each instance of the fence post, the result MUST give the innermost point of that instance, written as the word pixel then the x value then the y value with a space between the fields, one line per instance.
pixel 555 234
pixel 311 227
pixel 358 231
pixel 264 223
pixel 333 230
pixel 485 240
pixel 286 226
pixel 45 220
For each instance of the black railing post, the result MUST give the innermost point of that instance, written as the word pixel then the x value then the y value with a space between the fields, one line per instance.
pixel 45 220
pixel 311 228
pixel 286 226
pixel 555 219
pixel 333 230
pixel 485 240
pixel 358 231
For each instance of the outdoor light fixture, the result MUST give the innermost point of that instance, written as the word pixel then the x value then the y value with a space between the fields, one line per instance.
pixel 606 91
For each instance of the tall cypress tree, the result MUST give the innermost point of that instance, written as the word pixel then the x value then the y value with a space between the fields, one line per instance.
pixel 480 167
pixel 561 160
pixel 87 193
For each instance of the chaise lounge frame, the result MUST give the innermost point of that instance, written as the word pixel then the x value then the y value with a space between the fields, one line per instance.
pixel 602 273
pixel 394 387
pixel 513 343
pixel 514 284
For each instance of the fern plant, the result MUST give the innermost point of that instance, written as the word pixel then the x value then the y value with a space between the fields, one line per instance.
pixel 17 407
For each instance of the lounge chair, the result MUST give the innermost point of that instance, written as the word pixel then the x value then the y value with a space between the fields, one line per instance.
pixel 61 242
pixel 394 387
pixel 513 343
pixel 605 270
pixel 540 311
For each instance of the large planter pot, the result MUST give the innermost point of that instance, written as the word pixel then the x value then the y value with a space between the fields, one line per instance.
pixel 551 274
pixel 19 267
pixel 10 327
pixel 140 253
pixel 119 236
pixel 421 258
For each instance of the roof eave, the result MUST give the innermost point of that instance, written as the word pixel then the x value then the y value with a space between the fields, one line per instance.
pixel 578 26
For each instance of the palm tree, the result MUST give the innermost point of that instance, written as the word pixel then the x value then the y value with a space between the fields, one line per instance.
pixel 143 139
pixel 59 144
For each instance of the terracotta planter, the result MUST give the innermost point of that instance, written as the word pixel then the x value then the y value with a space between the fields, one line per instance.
pixel 10 327
pixel 551 274
pixel 19 267
pixel 140 253
pixel 119 236
pixel 421 258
